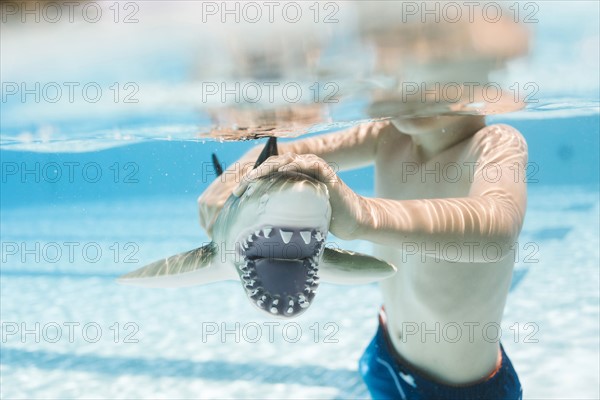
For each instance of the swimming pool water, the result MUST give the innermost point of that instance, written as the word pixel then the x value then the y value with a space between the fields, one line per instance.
pixel 93 190
pixel 177 355
pixel 88 233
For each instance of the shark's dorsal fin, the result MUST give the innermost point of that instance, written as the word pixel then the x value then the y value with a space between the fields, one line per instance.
pixel 217 165
pixel 348 267
pixel 269 150
pixel 194 267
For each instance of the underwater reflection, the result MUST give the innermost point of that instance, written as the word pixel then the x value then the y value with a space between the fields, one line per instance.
pixel 400 63
pixel 436 65
pixel 241 70
pixel 231 123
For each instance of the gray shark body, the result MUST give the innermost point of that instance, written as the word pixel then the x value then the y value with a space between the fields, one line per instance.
pixel 272 239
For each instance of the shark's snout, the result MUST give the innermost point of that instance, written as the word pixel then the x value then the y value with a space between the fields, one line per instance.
pixel 280 268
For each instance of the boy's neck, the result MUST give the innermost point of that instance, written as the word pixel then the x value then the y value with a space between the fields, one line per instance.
pixel 433 135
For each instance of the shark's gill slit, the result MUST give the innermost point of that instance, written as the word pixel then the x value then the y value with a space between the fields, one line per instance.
pixel 280 268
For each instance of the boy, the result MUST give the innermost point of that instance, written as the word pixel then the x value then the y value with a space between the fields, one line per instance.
pixel 450 202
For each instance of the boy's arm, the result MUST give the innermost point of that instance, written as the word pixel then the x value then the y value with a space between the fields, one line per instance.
pixel 353 148
pixel 484 223
pixel 348 149
pixel 490 216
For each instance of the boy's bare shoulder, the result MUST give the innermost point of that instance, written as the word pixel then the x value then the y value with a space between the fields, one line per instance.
pixel 498 131
pixel 497 138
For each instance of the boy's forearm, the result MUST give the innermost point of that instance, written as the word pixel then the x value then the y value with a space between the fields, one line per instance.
pixel 470 229
pixel 353 148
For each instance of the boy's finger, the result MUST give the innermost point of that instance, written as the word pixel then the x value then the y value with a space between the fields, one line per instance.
pixel 270 165
pixel 245 181
pixel 314 169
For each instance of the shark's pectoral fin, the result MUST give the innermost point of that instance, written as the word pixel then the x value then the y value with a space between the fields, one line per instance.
pixel 194 267
pixel 348 267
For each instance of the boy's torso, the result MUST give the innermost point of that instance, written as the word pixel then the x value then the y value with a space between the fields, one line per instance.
pixel 443 316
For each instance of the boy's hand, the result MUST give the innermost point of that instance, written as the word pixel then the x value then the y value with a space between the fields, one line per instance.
pixel 346 206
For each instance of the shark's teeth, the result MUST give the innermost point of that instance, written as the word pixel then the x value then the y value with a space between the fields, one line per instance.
pixel 312 283
pixel 250 284
pixel 303 303
pixel 289 309
pixel 262 302
pixel 267 232
pixel 281 303
pixel 274 305
pixel 306 236
pixel 286 236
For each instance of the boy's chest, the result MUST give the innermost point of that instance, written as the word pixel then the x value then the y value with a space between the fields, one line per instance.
pixel 402 175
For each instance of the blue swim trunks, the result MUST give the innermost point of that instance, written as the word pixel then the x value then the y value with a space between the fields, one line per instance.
pixel 388 377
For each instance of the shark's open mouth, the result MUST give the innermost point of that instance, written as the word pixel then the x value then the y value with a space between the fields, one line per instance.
pixel 279 268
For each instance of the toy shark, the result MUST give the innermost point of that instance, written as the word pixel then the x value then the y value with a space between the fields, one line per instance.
pixel 272 239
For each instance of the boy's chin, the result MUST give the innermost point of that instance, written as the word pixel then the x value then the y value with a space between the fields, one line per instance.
pixel 415 126
pixel 438 123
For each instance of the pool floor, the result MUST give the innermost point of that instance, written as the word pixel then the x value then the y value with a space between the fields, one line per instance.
pixel 97 339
